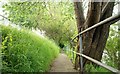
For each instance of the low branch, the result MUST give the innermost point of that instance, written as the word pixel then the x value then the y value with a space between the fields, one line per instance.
pixel 4 17
pixel 107 6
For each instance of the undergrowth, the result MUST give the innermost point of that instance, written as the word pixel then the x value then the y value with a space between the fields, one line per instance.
pixel 92 69
pixel 24 51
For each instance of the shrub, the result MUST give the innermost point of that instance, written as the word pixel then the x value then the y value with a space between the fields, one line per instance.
pixel 25 51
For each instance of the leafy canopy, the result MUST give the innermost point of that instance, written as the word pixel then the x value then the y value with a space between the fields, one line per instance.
pixel 56 19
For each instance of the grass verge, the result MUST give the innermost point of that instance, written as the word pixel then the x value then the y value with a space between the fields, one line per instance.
pixel 24 51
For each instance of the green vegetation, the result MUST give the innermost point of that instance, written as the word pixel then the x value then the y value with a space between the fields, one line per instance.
pixel 112 49
pixel 56 19
pixel 25 51
pixel 70 54
pixel 111 52
pixel 91 68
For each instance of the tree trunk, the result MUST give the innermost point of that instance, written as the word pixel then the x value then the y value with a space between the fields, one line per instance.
pixel 118 46
pixel 94 40
pixel 80 21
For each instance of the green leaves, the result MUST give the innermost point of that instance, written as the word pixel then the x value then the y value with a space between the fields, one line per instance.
pixel 56 19
pixel 91 68
pixel 24 51
pixel 112 47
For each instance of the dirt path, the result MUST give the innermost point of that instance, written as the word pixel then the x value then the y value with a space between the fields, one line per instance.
pixel 62 64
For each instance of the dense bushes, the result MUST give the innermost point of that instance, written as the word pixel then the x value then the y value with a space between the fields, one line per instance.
pixel 24 51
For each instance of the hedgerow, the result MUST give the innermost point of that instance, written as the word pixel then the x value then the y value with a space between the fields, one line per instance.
pixel 25 51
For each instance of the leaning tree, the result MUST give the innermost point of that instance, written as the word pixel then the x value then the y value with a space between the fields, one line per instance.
pixel 94 41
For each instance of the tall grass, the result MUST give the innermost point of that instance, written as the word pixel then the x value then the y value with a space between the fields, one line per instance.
pixel 24 51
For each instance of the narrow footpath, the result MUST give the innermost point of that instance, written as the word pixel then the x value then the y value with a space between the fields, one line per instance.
pixel 62 64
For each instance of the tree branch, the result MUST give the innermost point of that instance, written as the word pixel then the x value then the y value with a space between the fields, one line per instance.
pixel 107 6
pixel 79 15
pixel 4 17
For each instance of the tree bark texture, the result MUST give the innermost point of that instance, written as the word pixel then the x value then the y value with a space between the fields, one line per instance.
pixel 94 41
pixel 80 21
